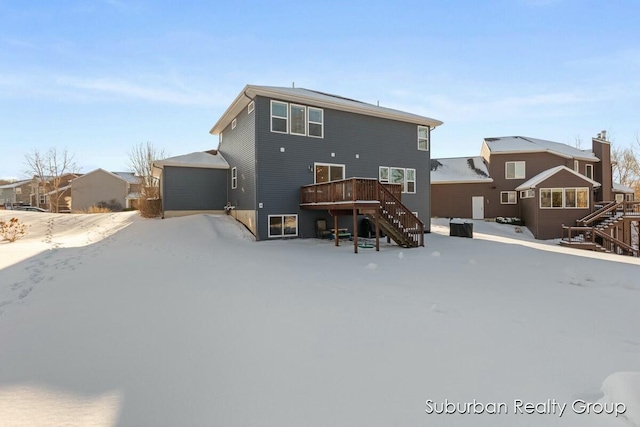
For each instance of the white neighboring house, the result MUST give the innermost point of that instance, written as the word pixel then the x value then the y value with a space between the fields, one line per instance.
pixel 102 186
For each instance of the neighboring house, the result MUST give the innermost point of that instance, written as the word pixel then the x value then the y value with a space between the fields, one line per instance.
pixel 192 183
pixel 43 192
pixel 291 153
pixel 547 184
pixel 102 186
pixel 15 193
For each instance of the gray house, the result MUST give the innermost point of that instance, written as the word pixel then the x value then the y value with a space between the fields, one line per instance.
pixel 100 185
pixel 15 193
pixel 297 156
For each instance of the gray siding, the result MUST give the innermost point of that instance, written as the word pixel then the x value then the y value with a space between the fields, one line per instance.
pixel 95 187
pixel 239 150
pixel 377 142
pixel 194 189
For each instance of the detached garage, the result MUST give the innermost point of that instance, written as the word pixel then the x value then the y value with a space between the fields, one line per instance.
pixel 193 183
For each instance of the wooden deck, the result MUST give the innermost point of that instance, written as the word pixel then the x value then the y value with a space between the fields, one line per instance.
pixel 366 196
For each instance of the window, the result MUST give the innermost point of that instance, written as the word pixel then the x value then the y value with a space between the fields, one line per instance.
pixel 564 198
pixel 298 120
pixel 576 166
pixel 325 172
pixel 279 117
pixel 234 123
pixel 234 178
pixel 251 107
pixel 619 198
pixel 527 194
pixel 629 197
pixel 316 120
pixel 220 138
pixel 383 174
pixel 588 171
pixel 406 177
pixel 411 180
pixel 423 138
pixel 514 170
pixel 283 225
pixel 43 199
pixel 18 190
pixel 397 177
pixel 508 197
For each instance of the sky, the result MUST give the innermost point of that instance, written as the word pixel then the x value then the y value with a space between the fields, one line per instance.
pixel 101 76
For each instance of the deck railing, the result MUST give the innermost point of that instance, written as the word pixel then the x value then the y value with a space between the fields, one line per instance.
pixel 598 237
pixel 345 190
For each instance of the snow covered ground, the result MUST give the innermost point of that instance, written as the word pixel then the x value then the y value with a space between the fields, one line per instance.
pixel 116 320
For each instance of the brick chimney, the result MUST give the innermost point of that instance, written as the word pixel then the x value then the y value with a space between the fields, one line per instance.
pixel 602 171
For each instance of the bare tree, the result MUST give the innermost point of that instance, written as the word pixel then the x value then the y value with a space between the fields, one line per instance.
pixel 49 170
pixel 141 158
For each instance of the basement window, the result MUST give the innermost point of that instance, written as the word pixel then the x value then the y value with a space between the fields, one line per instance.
pixel 283 225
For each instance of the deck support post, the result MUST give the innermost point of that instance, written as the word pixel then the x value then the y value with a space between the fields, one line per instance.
pixel 335 229
pixel 355 230
pixel 377 231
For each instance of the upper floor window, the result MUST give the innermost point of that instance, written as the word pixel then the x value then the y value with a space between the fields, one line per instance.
pixel 18 190
pixel 251 107
pixel 576 166
pixel 279 117
pixel 588 171
pixel 234 123
pixel 514 170
pixel 316 119
pixel 423 138
pixel 298 120
pixel 234 178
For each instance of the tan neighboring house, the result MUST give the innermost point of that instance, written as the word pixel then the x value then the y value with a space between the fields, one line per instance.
pixel 15 193
pixel 100 185
pixel 44 192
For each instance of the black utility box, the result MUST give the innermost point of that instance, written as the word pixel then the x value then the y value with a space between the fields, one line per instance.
pixel 460 228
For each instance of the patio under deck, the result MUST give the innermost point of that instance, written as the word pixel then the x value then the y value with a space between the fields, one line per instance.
pixel 366 196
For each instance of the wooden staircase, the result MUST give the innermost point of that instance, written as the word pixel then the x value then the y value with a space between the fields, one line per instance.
pixel 368 197
pixel 397 221
pixel 595 231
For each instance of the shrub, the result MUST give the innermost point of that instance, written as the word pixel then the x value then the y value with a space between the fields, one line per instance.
pixel 112 205
pixel 150 208
pixel 13 229
pixel 509 220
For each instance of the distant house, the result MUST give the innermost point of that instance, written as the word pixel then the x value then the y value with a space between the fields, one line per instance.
pixel 547 184
pixel 296 156
pixel 99 185
pixel 52 193
pixel 15 193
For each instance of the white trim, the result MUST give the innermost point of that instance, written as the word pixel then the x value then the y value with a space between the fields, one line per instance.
pixel 509 194
pixel 286 119
pixel 586 169
pixel 304 119
pixel 234 178
pixel 310 122
pixel 515 169
pixel 234 123
pixel 423 139
pixel 316 164
pixel 250 107
pixel 576 166
pixel 282 216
